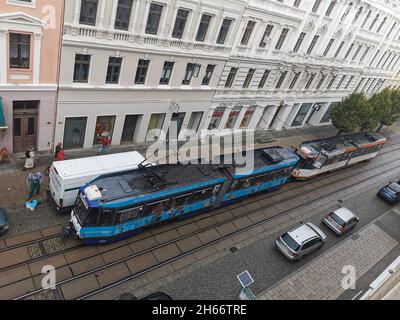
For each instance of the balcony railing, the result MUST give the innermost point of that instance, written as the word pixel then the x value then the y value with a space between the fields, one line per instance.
pixel 87 33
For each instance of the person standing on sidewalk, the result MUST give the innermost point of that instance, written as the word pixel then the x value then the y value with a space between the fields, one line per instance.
pixel 30 161
pixel 60 155
pixel 105 143
pixel 58 149
pixel 35 180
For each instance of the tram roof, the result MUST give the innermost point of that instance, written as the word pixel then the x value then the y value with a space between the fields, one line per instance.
pixel 260 160
pixel 338 144
pixel 144 182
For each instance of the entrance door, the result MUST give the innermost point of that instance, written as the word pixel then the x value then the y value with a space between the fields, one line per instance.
pixel 129 129
pixel 274 118
pixel 25 124
pixel 176 124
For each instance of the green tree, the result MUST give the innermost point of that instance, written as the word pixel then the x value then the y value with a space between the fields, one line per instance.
pixel 395 112
pixel 352 114
pixel 381 104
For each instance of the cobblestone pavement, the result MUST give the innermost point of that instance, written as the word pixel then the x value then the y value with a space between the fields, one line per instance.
pixel 14 190
pixel 23 220
pixel 322 279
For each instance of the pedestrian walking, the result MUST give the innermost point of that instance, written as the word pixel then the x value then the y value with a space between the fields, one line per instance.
pixel 61 155
pixel 105 143
pixel 34 183
pixel 30 161
pixel 58 149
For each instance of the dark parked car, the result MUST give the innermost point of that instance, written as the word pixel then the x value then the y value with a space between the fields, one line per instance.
pixel 390 193
pixel 4 226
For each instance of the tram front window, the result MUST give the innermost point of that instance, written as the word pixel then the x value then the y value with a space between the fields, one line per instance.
pixel 81 211
pixel 87 216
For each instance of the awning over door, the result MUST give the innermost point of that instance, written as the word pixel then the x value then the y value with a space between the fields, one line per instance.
pixel 2 118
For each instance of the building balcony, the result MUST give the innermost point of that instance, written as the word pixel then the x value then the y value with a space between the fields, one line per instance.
pixel 88 34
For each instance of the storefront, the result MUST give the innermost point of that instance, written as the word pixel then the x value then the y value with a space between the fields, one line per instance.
pixel 85 116
pixel 27 120
pixel 229 115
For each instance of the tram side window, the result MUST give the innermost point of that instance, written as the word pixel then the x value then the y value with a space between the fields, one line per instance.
pixel 106 218
pixel 130 214
pixel 365 151
pixel 91 220
pixel 157 208
pixel 332 160
pixel 179 203
pixel 202 195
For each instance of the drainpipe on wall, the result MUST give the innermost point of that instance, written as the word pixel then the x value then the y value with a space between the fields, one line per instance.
pixel 58 74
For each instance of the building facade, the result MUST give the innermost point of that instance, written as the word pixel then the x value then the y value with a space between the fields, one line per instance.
pixel 132 67
pixel 30 37
pixel 293 60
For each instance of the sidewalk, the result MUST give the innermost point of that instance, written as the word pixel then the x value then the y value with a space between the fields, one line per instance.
pixel 13 186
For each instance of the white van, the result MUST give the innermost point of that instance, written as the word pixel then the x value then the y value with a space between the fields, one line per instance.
pixel 66 177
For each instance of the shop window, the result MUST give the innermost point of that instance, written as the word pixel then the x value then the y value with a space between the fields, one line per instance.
pixel 155 126
pixel 74 133
pixel 104 127
pixel 247 117
pixel 216 118
pixel 233 117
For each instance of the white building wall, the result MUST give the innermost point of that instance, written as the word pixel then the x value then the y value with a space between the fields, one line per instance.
pixel 102 41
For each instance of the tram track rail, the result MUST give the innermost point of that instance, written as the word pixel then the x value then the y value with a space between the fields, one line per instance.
pixel 391 163
pixel 203 217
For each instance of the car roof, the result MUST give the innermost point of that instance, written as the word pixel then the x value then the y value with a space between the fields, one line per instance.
pixel 345 214
pixel 303 233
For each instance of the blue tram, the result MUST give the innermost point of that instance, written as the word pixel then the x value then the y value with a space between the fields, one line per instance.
pixel 120 205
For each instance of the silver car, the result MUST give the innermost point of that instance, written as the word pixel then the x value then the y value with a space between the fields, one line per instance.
pixel 301 241
pixel 341 221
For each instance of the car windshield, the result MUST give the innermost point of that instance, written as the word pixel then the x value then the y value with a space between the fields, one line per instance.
pixel 290 242
pixel 339 221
